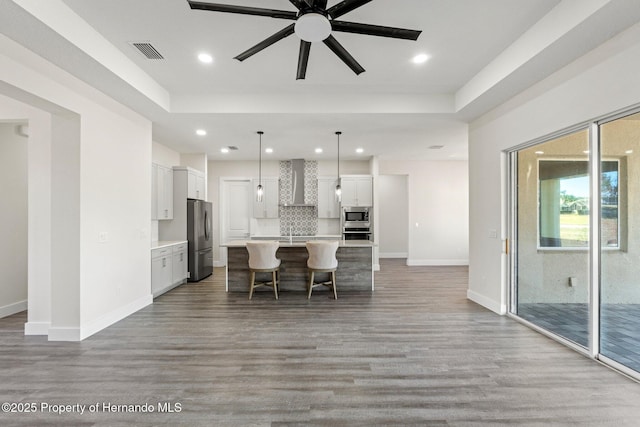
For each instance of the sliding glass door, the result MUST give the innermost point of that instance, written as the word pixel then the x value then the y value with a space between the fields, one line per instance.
pixel 552 277
pixel 575 233
pixel 620 231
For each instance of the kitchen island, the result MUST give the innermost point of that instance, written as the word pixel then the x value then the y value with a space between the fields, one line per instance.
pixel 354 273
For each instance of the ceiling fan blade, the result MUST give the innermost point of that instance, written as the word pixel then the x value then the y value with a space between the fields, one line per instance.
pixel 345 7
pixel 322 4
pixel 285 32
pixel 303 59
pixel 375 30
pixel 243 10
pixel 299 4
pixel 342 53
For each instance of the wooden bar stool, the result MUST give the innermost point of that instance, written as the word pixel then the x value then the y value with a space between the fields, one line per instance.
pixel 322 259
pixel 262 259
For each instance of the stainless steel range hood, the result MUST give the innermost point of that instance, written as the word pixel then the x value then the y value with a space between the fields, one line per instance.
pixel 297 196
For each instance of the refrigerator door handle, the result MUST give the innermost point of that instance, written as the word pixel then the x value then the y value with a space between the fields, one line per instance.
pixel 206 225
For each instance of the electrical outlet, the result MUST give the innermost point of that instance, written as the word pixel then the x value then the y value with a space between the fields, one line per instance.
pixel 573 281
pixel 103 237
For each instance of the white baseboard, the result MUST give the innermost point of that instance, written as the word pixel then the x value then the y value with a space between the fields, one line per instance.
pixel 115 316
pixel 64 334
pixel 393 255
pixel 14 308
pixel 37 328
pixel 78 334
pixel 482 300
pixel 436 262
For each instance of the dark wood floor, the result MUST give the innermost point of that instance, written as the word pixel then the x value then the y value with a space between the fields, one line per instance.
pixel 416 352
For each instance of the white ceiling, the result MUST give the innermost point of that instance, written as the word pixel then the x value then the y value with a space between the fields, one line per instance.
pixel 482 52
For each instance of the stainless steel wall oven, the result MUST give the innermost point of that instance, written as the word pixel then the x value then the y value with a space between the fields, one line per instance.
pixel 356 224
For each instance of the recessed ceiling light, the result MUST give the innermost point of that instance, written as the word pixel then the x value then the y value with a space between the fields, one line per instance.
pixel 205 58
pixel 539 152
pixel 586 151
pixel 201 132
pixel 318 150
pixel 420 58
pixel 628 152
pixel 224 150
pixel 359 150
pixel 268 150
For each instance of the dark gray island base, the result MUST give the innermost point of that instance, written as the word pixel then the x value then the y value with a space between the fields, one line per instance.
pixel 354 273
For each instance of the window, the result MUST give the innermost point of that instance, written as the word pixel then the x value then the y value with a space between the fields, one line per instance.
pixel 564 203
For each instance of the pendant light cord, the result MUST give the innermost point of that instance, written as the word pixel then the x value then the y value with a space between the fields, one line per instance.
pixel 260 160
pixel 338 133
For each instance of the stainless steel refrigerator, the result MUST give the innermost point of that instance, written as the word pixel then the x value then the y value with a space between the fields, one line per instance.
pixel 200 239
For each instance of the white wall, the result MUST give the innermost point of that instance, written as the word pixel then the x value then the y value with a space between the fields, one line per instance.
pixel 92 162
pixel 115 198
pixel 163 155
pixel 438 210
pixel 13 217
pixel 603 81
pixel 196 161
pixel 393 216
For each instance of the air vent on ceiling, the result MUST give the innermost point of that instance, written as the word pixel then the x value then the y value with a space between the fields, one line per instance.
pixel 436 147
pixel 147 50
pixel 232 147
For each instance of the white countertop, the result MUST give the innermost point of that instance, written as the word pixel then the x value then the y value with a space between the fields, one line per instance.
pixel 165 243
pixel 286 244
pixel 299 238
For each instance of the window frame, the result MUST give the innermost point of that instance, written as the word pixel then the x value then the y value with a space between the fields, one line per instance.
pixel 620 166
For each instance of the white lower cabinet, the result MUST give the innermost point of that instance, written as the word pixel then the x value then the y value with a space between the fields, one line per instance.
pixel 180 263
pixel 169 265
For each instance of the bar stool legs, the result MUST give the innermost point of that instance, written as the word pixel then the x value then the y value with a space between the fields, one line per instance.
pixel 275 281
pixel 330 283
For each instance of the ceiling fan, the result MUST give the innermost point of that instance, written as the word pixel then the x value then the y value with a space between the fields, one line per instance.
pixel 314 22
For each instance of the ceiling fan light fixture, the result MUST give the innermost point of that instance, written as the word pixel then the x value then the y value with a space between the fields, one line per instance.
pixel 313 27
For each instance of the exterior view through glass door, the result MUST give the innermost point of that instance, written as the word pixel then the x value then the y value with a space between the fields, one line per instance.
pixel 552 276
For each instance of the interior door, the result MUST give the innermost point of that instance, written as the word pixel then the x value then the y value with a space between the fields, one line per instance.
pixel 237 209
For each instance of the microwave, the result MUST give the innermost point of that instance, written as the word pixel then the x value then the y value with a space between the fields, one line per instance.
pixel 356 215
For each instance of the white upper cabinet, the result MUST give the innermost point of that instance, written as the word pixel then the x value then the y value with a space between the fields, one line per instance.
pixel 357 190
pixel 161 192
pixel 328 206
pixel 268 207
pixel 195 184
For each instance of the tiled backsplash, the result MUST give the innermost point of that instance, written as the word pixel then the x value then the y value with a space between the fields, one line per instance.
pixel 303 220
pixel 300 220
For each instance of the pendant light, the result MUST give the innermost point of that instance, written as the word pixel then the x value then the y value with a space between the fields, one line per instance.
pixel 338 187
pixel 260 190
